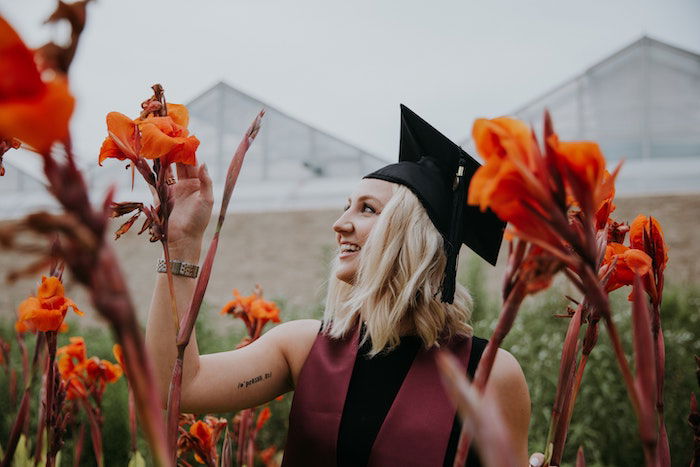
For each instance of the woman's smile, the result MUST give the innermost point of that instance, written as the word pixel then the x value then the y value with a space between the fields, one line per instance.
pixel 348 249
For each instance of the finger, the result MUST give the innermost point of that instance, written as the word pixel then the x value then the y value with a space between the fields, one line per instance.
pixel 169 172
pixel 205 183
pixel 537 459
pixel 185 171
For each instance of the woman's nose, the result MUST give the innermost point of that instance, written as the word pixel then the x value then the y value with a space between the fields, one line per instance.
pixel 343 224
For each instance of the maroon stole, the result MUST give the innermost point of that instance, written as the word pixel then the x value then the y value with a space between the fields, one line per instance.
pixel 416 430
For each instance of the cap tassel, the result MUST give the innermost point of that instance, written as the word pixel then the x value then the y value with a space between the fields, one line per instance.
pixel 454 236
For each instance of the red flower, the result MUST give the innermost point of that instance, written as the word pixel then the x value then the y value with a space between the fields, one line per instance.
pixel 34 108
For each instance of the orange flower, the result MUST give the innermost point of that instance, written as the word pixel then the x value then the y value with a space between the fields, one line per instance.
pixel 34 108
pixel 6 145
pixel 118 354
pixel 263 417
pixel 202 432
pixel 581 165
pixel 262 309
pixel 70 367
pixel 538 269
pixel 504 181
pixel 509 182
pixel 202 438
pixel 251 307
pixel 267 455
pixel 75 389
pixel 102 372
pixel 165 138
pixel 71 356
pixel 630 261
pixel 46 311
pixel 122 142
pixel 646 235
pixel 606 192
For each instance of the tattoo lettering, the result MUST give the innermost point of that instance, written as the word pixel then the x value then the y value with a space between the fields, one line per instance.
pixel 257 379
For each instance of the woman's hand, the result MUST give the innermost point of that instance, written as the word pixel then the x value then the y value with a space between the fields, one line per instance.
pixel 192 205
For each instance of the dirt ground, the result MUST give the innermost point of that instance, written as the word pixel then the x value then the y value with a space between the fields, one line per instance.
pixel 288 253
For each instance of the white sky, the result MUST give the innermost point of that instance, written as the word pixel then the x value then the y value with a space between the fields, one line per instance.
pixel 345 66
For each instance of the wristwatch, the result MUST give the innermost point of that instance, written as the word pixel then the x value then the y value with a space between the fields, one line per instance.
pixel 179 268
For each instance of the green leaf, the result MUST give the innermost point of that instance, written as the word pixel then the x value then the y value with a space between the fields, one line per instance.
pixel 137 460
pixel 21 458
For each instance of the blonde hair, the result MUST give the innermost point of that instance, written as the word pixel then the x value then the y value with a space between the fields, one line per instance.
pixel 398 282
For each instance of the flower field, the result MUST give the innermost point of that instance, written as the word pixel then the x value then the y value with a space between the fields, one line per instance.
pixel 608 352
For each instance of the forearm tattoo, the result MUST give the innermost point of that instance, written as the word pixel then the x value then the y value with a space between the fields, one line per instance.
pixel 249 382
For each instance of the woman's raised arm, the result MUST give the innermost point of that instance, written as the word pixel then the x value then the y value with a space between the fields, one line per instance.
pixel 229 380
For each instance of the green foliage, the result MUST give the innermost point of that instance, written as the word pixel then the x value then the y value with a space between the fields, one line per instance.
pixel 24 457
pixel 603 421
pixel 137 460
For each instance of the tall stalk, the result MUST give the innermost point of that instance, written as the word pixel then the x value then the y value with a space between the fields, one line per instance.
pixel 189 319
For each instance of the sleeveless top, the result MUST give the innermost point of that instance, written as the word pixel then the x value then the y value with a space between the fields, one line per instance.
pixel 352 410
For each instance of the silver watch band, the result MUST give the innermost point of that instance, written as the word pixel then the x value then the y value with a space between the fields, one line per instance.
pixel 179 268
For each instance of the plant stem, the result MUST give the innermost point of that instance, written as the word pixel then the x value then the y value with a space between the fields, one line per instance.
pixel 78 448
pixel 599 299
pixel 505 323
pixel 174 393
pixel 49 413
pixel 171 286
pixel 95 431
pixel 622 361
pixel 564 394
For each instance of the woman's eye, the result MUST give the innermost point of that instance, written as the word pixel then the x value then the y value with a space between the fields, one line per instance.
pixel 368 208
pixel 346 207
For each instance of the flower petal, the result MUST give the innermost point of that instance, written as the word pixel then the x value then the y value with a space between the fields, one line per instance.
pixel 155 141
pixel 179 114
pixel 122 130
pixel 50 287
pixel 38 120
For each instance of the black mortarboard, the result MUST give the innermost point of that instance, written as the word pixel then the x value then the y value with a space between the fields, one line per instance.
pixel 438 172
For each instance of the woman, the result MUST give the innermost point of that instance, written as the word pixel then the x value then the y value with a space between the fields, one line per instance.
pixel 367 389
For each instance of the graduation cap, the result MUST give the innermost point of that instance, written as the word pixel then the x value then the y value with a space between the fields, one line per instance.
pixel 438 172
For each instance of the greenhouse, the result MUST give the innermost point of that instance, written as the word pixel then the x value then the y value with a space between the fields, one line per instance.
pixel 642 104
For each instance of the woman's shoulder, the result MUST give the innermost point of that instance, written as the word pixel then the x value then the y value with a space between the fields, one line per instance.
pixel 295 339
pixel 506 370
